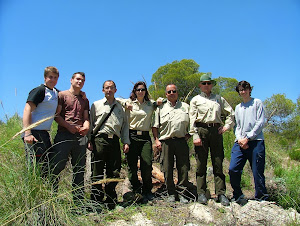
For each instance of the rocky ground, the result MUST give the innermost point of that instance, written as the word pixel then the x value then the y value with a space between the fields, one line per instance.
pixel 253 213
pixel 159 212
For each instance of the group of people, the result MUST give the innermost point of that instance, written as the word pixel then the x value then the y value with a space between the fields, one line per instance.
pixel 173 122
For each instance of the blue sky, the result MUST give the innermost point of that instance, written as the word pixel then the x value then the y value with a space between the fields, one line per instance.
pixel 255 40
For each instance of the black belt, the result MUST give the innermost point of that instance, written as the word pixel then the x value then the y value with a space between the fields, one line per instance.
pixel 175 138
pixel 139 132
pixel 206 125
pixel 104 135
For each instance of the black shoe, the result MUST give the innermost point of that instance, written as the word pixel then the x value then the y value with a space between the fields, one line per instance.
pixel 150 196
pixel 144 199
pixel 263 198
pixel 202 199
pixel 111 206
pixel 223 200
pixel 240 200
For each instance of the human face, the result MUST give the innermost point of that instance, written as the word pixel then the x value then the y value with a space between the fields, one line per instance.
pixel 109 89
pixel 77 81
pixel 244 93
pixel 171 93
pixel 140 91
pixel 51 80
pixel 206 87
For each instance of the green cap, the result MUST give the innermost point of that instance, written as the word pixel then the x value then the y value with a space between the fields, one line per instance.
pixel 207 78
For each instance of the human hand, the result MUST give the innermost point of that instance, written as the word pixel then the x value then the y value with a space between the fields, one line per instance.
pixel 243 143
pixel 29 138
pixel 187 136
pixel 222 129
pixel 197 142
pixel 125 148
pixel 83 131
pixel 129 106
pixel 158 144
pixel 246 146
pixel 90 146
pixel 159 101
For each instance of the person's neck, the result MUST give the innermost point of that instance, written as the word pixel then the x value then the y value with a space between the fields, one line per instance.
pixel 110 100
pixel 173 103
pixel 247 99
pixel 49 87
pixel 74 91
pixel 140 99
pixel 207 94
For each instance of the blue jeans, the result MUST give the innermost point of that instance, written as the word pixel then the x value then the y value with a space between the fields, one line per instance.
pixel 255 154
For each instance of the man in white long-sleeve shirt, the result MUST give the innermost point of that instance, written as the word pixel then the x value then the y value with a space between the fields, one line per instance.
pixel 249 144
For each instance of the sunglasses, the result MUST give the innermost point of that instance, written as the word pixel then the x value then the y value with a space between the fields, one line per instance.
pixel 206 83
pixel 171 91
pixel 140 90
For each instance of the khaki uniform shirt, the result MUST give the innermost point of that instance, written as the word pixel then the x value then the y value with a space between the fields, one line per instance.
pixel 116 124
pixel 209 110
pixel 140 117
pixel 172 121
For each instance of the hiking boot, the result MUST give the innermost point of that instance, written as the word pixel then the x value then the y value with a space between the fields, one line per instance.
pixel 150 196
pixel 223 200
pixel 202 199
pixel 183 199
pixel 240 200
pixel 262 198
pixel 171 198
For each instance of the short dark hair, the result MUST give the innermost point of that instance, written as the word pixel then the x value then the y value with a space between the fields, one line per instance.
pixel 81 73
pixel 50 69
pixel 133 94
pixel 245 85
pixel 109 81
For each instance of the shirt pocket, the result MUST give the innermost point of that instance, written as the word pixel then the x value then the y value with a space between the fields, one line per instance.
pixel 181 120
pixel 164 118
pixel 118 117
pixel 202 108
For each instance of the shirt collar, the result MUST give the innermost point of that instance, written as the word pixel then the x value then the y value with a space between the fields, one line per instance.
pixel 169 102
pixel 205 95
pixel 106 102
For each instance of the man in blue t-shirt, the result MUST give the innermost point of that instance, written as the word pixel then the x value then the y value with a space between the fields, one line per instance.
pixel 41 103
pixel 249 144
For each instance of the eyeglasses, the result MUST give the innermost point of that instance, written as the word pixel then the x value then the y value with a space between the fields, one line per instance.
pixel 171 91
pixel 140 90
pixel 206 83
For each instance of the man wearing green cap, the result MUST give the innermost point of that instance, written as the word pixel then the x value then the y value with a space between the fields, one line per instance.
pixel 207 127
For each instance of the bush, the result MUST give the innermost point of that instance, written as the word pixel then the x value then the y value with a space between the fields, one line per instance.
pixel 25 197
pixel 295 154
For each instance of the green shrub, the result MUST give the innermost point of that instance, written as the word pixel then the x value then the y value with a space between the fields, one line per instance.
pixel 288 196
pixel 228 141
pixel 25 197
pixel 294 154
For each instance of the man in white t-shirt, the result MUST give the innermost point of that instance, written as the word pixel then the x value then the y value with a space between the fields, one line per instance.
pixel 41 103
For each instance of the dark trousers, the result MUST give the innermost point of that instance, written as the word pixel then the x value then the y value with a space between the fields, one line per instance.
pixel 38 152
pixel 65 144
pixel 106 155
pixel 140 147
pixel 213 141
pixel 255 154
pixel 177 147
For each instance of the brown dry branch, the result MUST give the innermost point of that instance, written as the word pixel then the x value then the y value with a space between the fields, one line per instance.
pixel 189 93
